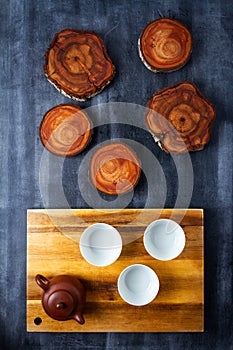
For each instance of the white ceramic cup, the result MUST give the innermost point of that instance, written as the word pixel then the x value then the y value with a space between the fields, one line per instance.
pixel 100 244
pixel 164 239
pixel 138 285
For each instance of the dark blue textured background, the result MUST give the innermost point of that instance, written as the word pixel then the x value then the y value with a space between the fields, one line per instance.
pixel 26 29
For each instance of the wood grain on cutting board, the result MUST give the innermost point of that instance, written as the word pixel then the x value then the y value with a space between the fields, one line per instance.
pixel 52 249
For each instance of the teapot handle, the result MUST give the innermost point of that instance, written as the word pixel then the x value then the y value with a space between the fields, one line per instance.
pixel 42 281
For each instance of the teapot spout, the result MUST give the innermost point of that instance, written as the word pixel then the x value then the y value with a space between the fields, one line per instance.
pixel 79 318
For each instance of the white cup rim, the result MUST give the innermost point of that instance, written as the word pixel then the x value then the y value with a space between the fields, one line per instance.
pixel 138 297
pixel 103 250
pixel 166 248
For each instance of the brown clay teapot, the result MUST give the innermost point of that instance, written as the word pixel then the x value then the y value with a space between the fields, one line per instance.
pixel 63 298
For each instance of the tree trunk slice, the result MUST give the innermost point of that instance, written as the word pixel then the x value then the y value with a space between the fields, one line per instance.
pixel 78 65
pixel 114 169
pixel 180 118
pixel 65 130
pixel 165 45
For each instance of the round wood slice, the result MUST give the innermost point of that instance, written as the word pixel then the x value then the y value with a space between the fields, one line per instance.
pixel 114 169
pixel 165 45
pixel 65 130
pixel 77 64
pixel 180 118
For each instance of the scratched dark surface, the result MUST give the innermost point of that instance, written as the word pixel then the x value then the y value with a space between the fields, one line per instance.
pixel 27 27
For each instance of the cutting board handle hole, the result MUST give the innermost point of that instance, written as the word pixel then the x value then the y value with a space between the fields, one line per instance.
pixel 37 321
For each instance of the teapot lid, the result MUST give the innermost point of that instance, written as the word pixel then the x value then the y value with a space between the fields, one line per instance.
pixel 59 305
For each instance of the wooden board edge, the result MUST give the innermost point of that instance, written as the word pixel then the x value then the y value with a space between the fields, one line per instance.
pixel 113 210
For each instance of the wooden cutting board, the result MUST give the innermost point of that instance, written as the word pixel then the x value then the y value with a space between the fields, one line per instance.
pixel 52 249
